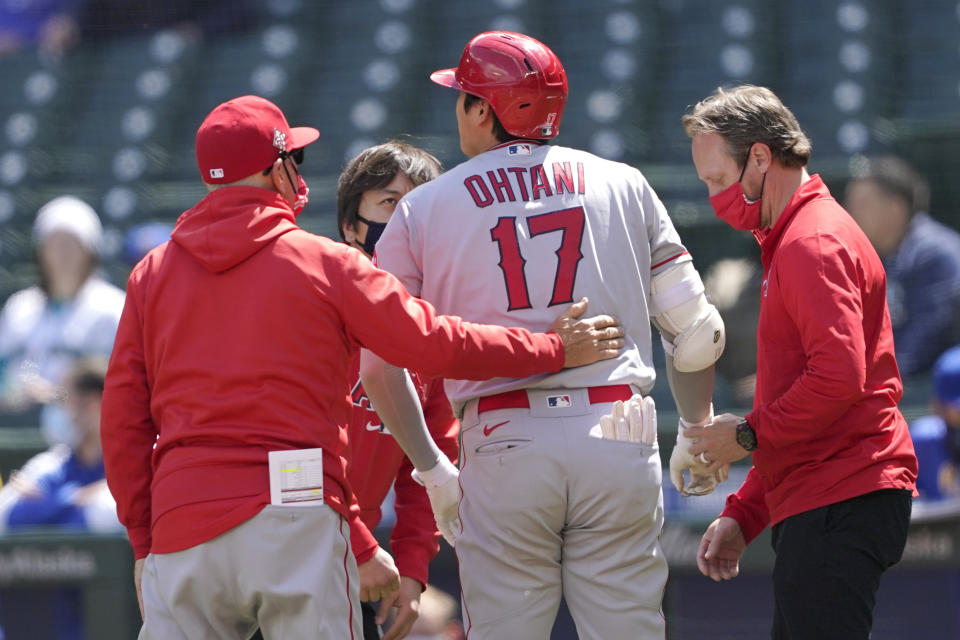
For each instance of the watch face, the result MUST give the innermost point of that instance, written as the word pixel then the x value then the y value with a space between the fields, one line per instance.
pixel 746 437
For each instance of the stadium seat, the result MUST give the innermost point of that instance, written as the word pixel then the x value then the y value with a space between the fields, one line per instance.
pixel 609 55
pixel 838 75
pixel 704 45
pixel 931 89
pixel 363 89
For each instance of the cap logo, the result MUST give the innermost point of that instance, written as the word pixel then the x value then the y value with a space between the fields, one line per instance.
pixel 216 173
pixel 279 140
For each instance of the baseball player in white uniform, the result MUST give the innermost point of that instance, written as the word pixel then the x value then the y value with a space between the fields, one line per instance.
pixel 560 473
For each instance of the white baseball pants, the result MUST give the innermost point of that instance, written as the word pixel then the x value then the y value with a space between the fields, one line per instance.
pixel 549 509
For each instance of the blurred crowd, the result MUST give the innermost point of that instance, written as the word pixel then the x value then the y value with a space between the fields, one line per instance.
pixel 55 26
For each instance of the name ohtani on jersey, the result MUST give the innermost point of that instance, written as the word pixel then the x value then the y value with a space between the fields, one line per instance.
pixel 512 184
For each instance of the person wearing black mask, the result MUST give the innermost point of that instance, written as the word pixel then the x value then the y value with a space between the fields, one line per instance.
pixel 372 184
pixel 368 191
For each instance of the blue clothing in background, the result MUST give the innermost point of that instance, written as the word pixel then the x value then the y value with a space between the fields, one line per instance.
pixel 26 18
pixel 937 476
pixel 56 506
pixel 57 475
pixel 923 293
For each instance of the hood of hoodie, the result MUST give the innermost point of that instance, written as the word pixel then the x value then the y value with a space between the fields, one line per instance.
pixel 231 224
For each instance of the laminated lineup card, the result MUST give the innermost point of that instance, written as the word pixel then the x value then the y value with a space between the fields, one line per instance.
pixel 296 477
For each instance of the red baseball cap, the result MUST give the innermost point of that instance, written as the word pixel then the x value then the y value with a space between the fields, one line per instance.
pixel 243 136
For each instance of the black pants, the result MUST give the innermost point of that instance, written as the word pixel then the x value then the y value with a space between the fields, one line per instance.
pixel 829 563
pixel 370 629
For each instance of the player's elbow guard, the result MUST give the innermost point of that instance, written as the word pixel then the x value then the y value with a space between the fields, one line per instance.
pixel 679 307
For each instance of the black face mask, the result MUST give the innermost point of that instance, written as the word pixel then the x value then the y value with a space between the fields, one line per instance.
pixel 374 231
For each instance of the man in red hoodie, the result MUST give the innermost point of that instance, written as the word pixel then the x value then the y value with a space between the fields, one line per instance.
pixel 833 464
pixel 233 350
pixel 367 193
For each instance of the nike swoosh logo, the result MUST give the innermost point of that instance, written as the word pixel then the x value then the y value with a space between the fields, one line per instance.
pixel 377 427
pixel 488 430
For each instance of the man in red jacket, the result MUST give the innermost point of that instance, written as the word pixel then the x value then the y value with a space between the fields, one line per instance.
pixel 367 193
pixel 227 397
pixel 833 464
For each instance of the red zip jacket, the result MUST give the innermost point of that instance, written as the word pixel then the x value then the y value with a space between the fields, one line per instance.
pixel 825 410
pixel 236 339
pixel 376 462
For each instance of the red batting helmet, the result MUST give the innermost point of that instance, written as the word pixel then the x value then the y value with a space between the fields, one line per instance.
pixel 519 76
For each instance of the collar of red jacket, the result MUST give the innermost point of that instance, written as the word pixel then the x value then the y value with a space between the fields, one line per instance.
pixel 770 238
pixel 231 224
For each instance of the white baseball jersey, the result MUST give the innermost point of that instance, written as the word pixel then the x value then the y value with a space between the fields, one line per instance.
pixel 40 338
pixel 515 235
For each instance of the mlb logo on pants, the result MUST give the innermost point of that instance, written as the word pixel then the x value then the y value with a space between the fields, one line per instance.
pixel 558 402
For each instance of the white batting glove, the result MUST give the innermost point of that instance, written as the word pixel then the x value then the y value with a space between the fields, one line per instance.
pixel 702 481
pixel 443 489
pixel 632 421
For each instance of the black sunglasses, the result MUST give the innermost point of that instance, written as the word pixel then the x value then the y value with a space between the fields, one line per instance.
pixel 296 154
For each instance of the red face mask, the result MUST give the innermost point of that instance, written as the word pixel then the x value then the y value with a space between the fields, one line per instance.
pixel 303 195
pixel 732 206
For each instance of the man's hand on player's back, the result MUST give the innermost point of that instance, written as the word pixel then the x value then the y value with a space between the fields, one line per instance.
pixel 587 340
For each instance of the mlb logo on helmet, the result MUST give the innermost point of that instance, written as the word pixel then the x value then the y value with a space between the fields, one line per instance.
pixel 547 129
pixel 558 402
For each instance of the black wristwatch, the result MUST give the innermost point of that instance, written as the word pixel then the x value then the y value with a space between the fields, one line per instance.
pixel 746 437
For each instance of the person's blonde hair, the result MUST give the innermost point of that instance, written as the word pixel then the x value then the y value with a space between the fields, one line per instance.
pixel 748 114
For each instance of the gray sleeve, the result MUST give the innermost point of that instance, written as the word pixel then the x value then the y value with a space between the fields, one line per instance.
pixel 665 245
pixel 691 391
pixel 395 400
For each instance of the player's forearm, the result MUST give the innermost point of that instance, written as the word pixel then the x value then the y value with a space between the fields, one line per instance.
pixel 691 391
pixel 395 400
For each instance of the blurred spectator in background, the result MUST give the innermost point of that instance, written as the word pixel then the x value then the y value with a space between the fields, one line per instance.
pixel 54 26
pixel 50 25
pixel 733 286
pixel 936 437
pixel 64 486
pixel 889 200
pixel 71 313
pixel 438 617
